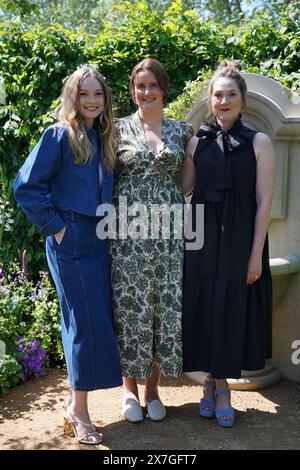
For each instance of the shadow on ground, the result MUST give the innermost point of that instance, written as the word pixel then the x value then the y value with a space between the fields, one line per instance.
pixel 31 418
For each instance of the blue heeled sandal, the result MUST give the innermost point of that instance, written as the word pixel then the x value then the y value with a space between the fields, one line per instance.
pixel 222 413
pixel 207 407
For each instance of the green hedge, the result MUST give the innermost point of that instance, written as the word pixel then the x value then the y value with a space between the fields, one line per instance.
pixel 30 337
pixel 35 63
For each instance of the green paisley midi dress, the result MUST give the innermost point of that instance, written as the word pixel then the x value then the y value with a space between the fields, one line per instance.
pixel 146 272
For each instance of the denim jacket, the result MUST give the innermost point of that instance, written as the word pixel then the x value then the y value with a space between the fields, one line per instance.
pixel 49 181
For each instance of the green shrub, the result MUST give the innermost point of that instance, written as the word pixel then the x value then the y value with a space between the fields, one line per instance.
pixel 180 107
pixel 29 314
pixel 45 318
pixel 11 373
pixel 182 43
pixel 35 63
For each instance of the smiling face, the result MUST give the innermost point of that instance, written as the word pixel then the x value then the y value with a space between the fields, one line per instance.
pixel 226 101
pixel 90 100
pixel 147 92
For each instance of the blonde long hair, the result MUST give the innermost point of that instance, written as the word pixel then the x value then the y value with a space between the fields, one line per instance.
pixel 68 114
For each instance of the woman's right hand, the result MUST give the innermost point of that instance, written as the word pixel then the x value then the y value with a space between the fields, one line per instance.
pixel 60 235
pixel 254 269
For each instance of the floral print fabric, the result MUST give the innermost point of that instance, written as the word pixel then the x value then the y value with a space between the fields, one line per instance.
pixel 147 273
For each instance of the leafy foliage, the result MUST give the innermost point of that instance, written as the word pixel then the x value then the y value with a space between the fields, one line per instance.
pixel 29 325
pixel 35 63
pixel 11 373
pixel 20 7
pixel 94 14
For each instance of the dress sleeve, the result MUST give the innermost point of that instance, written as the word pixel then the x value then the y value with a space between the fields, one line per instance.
pixel 32 187
pixel 119 129
pixel 188 132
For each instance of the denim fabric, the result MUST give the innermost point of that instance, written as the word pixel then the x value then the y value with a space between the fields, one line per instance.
pixel 80 269
pixel 52 189
pixel 49 180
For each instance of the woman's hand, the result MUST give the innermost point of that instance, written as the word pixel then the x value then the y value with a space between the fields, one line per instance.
pixel 60 235
pixel 254 269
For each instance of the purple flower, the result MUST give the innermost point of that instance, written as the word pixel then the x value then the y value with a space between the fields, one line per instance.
pixel 38 294
pixel 31 356
pixel 41 292
pixel 33 296
pixel 4 291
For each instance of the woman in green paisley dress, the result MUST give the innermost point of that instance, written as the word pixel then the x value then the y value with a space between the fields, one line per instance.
pixel 147 272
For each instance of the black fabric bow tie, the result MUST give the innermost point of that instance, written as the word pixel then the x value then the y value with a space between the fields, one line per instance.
pixel 223 137
pixel 217 166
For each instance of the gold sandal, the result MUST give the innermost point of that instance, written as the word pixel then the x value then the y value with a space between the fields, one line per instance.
pixel 71 431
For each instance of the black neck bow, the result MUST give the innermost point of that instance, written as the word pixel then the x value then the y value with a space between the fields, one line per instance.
pixel 223 137
pixel 216 172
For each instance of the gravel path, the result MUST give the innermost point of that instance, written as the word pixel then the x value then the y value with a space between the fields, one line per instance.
pixel 31 418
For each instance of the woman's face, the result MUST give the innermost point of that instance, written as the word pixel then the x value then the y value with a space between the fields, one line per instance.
pixel 147 92
pixel 226 101
pixel 90 100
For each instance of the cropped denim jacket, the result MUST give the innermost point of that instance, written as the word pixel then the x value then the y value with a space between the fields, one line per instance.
pixel 49 182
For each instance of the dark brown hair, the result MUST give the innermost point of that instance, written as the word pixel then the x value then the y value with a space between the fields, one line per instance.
pixel 158 70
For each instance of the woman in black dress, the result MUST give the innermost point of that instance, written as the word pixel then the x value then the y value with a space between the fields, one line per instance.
pixel 227 304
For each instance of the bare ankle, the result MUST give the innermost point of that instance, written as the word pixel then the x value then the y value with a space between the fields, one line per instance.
pixel 221 384
pixel 82 415
pixel 130 388
pixel 151 395
pixel 127 394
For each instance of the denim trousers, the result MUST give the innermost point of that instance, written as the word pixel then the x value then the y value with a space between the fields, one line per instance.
pixel 80 268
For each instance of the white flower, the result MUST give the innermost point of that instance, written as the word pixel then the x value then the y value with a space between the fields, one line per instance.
pixel 2 91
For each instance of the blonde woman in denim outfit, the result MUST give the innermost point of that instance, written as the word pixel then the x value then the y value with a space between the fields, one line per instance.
pixel 60 186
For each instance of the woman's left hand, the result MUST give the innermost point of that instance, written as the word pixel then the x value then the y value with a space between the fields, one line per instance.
pixel 254 269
